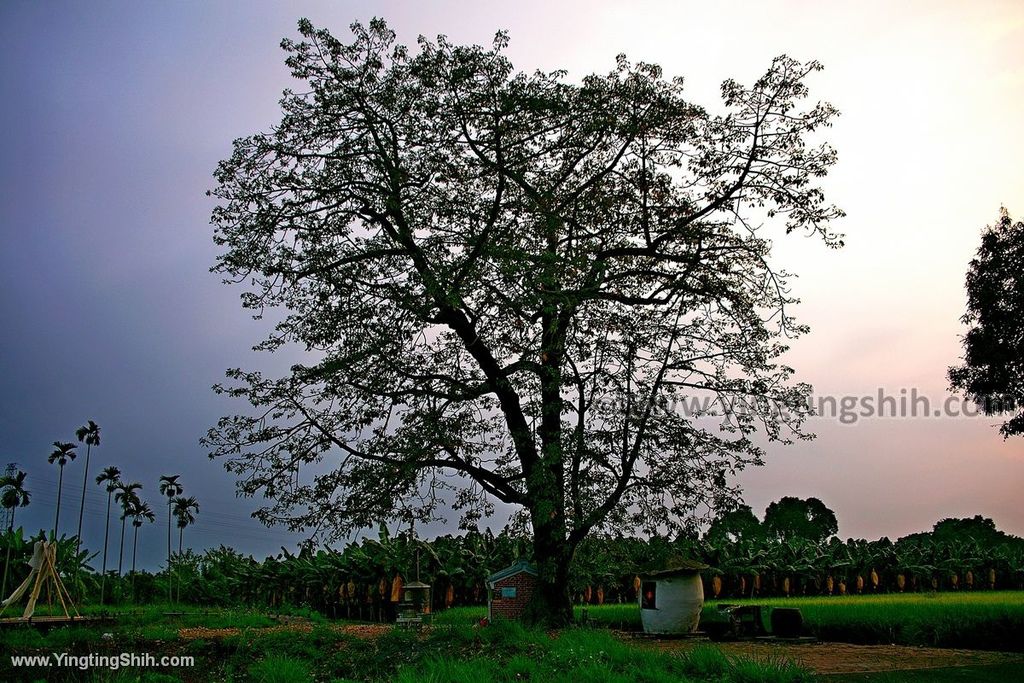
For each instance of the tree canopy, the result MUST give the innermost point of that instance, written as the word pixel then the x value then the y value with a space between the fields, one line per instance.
pixel 980 529
pixel 992 374
pixel 509 283
pixel 808 519
pixel 734 526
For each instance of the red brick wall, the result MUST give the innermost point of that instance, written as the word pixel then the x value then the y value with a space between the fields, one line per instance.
pixel 512 608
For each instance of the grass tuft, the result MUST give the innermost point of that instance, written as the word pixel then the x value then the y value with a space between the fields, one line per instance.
pixel 280 669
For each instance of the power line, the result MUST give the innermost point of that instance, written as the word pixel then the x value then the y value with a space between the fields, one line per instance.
pixel 96 500
pixel 215 525
pixel 210 523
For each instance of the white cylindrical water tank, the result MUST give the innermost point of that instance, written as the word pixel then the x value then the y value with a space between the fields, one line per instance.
pixel 671 600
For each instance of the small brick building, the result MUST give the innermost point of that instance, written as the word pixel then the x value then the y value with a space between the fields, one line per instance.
pixel 510 590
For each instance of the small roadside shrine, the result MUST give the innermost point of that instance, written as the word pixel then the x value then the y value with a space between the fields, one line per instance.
pixel 509 590
pixel 671 599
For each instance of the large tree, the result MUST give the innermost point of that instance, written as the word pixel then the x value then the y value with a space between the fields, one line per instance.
pixel 507 284
pixel 992 374
pixel 809 519
pixel 729 527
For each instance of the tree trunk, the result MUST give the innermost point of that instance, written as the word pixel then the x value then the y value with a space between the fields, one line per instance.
pixel 81 509
pixel 135 548
pixel 7 562
pixel 551 605
pixel 168 529
pixel 106 537
pixel 170 587
pixel 60 485
pixel 135 551
pixel 181 532
pixel 120 553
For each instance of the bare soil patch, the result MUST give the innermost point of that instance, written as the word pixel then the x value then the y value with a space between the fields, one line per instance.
pixel 365 631
pixel 831 658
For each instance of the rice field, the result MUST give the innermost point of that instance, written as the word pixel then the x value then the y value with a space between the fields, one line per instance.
pixel 989 620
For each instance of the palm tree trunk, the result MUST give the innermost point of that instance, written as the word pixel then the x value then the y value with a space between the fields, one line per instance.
pixel 181 531
pixel 170 590
pixel 78 534
pixel 106 536
pixel 81 509
pixel 120 554
pixel 7 562
pixel 60 485
pixel 135 550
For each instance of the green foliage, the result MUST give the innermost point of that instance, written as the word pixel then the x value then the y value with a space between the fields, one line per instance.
pixel 808 519
pixel 444 670
pixel 706 662
pixel 280 669
pixel 992 373
pixel 508 652
pixel 960 555
pixel 735 526
pixel 508 293
pixel 20 546
pixel 772 670
pixel 981 530
pixel 981 620
pixel 12 491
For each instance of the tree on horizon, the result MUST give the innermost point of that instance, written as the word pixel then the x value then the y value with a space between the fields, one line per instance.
pixel 992 373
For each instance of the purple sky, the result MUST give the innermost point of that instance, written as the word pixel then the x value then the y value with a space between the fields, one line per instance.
pixel 115 114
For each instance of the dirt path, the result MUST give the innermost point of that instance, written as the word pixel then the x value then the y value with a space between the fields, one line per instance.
pixel 830 658
pixel 365 631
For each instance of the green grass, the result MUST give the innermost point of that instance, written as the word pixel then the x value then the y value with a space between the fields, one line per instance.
pixel 502 652
pixel 508 652
pixel 456 649
pixel 278 669
pixel 982 620
pixel 154 629
pixel 189 615
pixel 989 620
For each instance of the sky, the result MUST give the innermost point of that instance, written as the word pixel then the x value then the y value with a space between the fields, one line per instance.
pixel 115 114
